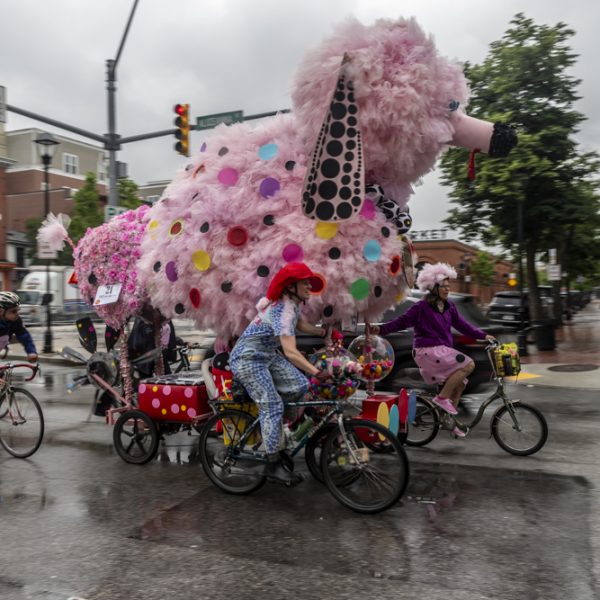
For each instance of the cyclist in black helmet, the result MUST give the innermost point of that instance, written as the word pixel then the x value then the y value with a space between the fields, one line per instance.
pixel 11 324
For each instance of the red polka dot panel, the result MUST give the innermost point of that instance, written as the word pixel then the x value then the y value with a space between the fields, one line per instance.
pixel 237 236
pixel 318 283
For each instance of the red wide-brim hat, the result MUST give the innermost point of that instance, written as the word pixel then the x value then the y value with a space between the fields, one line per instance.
pixel 287 275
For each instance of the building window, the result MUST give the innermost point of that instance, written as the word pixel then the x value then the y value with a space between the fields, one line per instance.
pixel 70 163
pixel 151 199
pixel 20 256
pixel 101 171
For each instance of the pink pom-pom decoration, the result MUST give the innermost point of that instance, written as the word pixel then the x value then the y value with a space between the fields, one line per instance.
pixel 53 231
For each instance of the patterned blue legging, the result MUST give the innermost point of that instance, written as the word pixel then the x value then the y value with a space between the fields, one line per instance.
pixel 270 380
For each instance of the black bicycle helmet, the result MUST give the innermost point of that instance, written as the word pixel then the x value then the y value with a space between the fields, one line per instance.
pixel 9 300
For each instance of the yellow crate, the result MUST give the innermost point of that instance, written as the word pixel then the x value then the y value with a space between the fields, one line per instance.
pixel 232 428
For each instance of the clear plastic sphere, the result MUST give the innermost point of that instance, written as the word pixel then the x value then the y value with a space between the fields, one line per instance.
pixel 342 366
pixel 376 357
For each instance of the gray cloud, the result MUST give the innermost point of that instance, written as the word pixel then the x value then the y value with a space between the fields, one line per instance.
pixel 232 54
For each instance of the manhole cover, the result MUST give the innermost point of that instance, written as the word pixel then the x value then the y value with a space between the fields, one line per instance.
pixel 573 368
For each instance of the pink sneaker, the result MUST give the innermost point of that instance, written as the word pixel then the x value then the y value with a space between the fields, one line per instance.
pixel 458 432
pixel 445 404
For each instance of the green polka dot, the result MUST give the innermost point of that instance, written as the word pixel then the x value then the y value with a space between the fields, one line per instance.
pixel 359 289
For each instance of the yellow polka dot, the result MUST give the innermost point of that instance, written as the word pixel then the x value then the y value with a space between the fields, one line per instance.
pixel 155 388
pixel 164 411
pixel 153 224
pixel 399 297
pixel 326 231
pixel 183 407
pixel 201 260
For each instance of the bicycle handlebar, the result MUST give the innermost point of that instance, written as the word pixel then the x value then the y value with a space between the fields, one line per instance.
pixel 34 368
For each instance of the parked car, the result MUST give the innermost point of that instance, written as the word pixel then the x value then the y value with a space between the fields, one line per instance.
pixel 504 308
pixel 405 371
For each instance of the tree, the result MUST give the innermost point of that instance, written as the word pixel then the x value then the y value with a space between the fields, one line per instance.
pixel 128 194
pixel 524 81
pixel 86 213
pixel 482 268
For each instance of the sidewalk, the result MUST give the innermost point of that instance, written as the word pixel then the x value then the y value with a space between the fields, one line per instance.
pixel 575 362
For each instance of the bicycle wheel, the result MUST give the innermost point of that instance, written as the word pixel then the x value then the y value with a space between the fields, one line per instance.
pixel 366 469
pixel 21 423
pixel 312 451
pixel 235 459
pixel 426 424
pixel 135 437
pixel 523 432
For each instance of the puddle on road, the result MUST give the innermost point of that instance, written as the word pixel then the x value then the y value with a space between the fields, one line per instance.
pixel 459 519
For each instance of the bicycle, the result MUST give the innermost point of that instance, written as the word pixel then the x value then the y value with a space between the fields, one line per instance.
pixel 361 462
pixel 517 427
pixel 21 417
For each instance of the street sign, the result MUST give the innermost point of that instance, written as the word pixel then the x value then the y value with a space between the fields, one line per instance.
pixel 210 121
pixel 2 104
pixel 552 255
pixel 113 211
pixel 44 251
pixel 553 272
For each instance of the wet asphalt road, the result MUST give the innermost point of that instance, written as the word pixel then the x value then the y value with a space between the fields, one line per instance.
pixel 475 522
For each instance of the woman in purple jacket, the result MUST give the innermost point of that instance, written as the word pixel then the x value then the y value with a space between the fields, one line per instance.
pixel 432 319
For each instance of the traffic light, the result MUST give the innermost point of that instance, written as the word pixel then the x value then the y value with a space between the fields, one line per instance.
pixel 511 279
pixel 182 133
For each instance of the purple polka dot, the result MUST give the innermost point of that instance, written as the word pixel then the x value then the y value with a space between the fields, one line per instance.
pixel 203 147
pixel 171 271
pixel 142 388
pixel 191 412
pixel 228 176
pixel 166 390
pixel 269 187
pixel 155 403
pixel 174 408
pixel 292 253
pixel 188 392
pixel 368 209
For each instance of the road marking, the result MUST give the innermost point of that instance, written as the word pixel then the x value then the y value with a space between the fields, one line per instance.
pixel 522 375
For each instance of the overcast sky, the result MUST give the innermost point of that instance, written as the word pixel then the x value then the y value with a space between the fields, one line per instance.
pixel 222 55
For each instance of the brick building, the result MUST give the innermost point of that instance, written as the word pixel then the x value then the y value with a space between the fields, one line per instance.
pixel 22 190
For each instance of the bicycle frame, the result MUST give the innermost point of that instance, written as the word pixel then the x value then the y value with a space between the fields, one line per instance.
pixel 336 409
pixel 498 394
pixel 6 388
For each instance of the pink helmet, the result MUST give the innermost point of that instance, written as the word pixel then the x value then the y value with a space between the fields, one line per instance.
pixel 430 275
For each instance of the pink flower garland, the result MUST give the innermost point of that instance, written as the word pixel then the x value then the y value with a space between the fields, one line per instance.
pixel 108 255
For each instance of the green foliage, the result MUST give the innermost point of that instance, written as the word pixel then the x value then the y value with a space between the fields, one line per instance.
pixel 87 212
pixel 525 81
pixel 128 194
pixel 482 268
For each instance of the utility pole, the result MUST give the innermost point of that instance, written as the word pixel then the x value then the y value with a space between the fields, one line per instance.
pixel 112 138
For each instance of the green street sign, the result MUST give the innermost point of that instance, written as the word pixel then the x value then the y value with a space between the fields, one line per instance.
pixel 113 211
pixel 210 121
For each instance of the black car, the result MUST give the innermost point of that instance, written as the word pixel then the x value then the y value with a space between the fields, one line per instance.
pixel 504 308
pixel 405 372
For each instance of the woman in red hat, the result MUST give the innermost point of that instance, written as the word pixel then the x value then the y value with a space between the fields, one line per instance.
pixel 269 377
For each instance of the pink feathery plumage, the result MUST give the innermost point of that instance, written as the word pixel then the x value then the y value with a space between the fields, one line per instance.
pixel 432 274
pixel 239 211
pixel 53 231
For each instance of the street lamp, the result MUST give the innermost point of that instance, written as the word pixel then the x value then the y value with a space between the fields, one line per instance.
pixel 46 144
